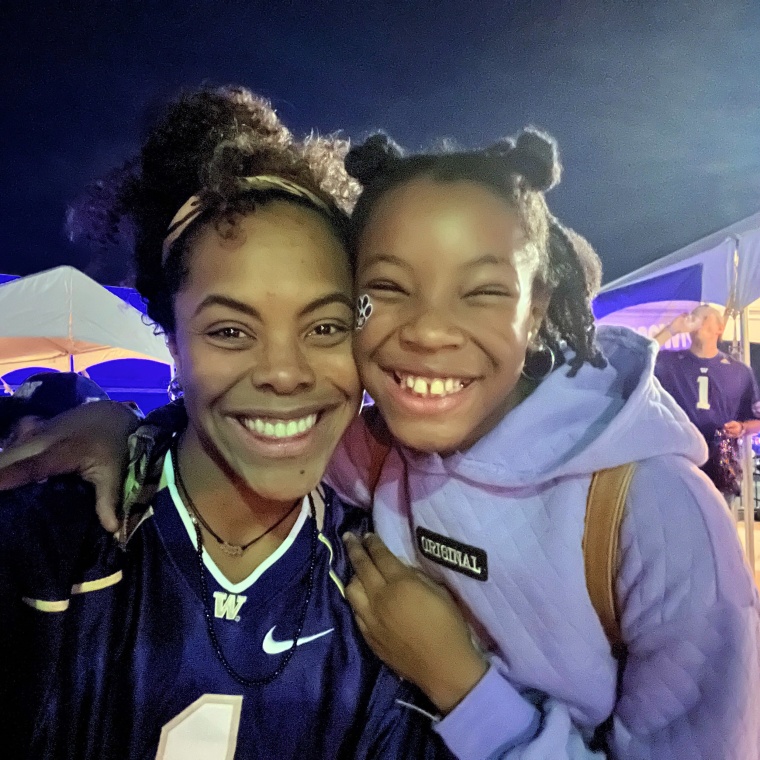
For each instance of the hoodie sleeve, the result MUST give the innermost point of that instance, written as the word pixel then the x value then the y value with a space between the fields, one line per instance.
pixel 496 722
pixel 691 621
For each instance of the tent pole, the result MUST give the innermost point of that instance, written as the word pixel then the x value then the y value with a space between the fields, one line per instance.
pixel 748 480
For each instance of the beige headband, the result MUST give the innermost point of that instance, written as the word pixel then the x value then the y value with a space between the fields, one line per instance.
pixel 194 206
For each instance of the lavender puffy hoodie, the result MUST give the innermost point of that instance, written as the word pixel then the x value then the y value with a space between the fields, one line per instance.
pixel 690 610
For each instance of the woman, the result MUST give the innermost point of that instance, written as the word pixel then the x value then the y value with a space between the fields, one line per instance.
pixel 222 631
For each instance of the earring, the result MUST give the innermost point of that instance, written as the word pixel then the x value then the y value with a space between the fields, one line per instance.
pixel 175 389
pixel 539 362
pixel 363 311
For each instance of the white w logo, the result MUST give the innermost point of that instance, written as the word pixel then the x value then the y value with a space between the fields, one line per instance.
pixel 228 605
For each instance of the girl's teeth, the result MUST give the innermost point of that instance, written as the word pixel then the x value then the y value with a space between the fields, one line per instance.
pixel 436 386
pixel 280 428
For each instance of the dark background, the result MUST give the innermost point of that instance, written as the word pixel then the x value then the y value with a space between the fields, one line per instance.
pixel 655 104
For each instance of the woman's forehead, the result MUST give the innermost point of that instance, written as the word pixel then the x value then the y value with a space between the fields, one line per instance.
pixel 276 245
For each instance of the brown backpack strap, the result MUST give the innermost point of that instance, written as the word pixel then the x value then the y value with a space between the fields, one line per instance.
pixel 605 508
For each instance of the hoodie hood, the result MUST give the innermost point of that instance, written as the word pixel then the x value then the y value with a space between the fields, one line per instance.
pixel 577 425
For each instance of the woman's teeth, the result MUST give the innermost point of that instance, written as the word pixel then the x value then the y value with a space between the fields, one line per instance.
pixel 431 386
pixel 272 428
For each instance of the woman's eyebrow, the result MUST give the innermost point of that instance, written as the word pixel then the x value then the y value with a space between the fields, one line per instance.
pixel 231 303
pixel 241 306
pixel 326 300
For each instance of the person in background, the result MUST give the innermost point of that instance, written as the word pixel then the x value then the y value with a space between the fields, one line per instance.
pixel 719 394
pixel 43 396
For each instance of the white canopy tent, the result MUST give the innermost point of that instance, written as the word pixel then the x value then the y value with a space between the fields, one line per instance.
pixel 715 252
pixel 62 319
pixel 727 267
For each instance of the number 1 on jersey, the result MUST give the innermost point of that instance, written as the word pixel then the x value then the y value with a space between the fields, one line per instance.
pixel 206 730
pixel 703 381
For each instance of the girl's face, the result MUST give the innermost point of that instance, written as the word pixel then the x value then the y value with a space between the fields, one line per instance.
pixel 451 278
pixel 263 348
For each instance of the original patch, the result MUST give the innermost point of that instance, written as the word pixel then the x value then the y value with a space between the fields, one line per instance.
pixel 445 551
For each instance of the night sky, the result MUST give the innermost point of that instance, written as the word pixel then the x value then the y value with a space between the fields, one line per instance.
pixel 655 104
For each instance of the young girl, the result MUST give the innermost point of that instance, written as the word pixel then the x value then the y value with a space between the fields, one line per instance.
pixel 222 631
pixel 477 343
pixel 479 352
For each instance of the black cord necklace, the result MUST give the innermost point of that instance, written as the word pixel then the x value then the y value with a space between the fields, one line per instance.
pixel 231 550
pixel 288 655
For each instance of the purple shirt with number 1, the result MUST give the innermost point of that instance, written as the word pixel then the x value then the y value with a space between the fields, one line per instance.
pixel 712 391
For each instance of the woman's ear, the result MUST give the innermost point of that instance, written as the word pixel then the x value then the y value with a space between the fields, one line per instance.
pixel 171 344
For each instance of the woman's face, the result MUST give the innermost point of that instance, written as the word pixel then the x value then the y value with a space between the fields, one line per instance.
pixel 451 279
pixel 263 348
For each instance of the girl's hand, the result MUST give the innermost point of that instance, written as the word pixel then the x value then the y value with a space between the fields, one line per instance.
pixel 412 624
pixel 90 440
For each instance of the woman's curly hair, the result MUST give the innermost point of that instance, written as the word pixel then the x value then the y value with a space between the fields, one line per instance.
pixel 204 142
pixel 519 170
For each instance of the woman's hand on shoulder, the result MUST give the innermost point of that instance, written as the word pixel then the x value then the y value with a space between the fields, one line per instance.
pixel 412 624
pixel 90 440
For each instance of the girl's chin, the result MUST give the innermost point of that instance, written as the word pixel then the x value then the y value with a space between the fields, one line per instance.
pixel 427 439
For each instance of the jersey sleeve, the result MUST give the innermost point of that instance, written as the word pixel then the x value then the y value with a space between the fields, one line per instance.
pixel 690 618
pixel 399 724
pixel 46 535
pixel 662 365
pixel 750 403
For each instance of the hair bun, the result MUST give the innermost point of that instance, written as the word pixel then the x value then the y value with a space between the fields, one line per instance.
pixel 501 148
pixel 536 158
pixel 373 157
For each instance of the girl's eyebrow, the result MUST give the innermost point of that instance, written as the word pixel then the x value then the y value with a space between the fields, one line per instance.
pixel 388 258
pixel 488 258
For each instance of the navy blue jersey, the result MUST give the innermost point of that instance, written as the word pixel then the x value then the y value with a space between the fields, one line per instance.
pixel 712 391
pixel 107 654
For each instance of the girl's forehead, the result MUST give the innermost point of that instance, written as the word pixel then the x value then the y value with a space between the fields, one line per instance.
pixel 425 189
pixel 460 221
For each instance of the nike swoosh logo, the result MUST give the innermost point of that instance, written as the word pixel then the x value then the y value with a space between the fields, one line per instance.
pixel 270 646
